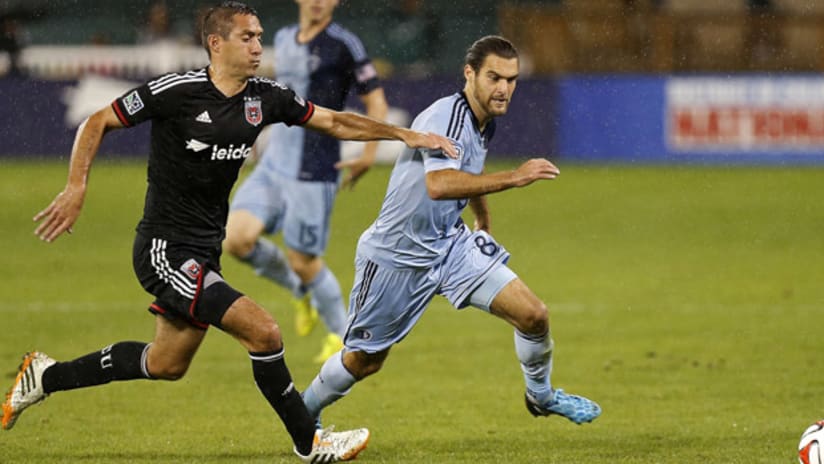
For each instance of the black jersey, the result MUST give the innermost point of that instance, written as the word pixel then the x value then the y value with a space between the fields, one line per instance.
pixel 199 140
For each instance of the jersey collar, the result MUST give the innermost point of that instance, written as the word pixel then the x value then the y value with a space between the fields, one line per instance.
pixel 490 126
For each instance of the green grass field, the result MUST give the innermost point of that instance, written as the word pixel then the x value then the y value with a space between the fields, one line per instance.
pixel 687 301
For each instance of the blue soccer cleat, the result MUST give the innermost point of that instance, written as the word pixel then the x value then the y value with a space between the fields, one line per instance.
pixel 575 408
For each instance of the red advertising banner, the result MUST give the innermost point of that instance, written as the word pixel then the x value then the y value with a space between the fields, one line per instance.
pixel 745 114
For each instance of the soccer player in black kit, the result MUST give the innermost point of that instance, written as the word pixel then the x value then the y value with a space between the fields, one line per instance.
pixel 204 123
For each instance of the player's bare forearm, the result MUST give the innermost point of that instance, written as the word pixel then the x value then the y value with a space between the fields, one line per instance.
pixel 86 143
pixel 352 126
pixel 451 184
pixel 376 108
pixel 63 211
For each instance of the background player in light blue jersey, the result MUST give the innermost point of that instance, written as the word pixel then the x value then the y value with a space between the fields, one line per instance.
pixel 419 246
pixel 293 188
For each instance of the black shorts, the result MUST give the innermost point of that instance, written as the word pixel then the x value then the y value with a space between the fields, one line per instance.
pixel 184 279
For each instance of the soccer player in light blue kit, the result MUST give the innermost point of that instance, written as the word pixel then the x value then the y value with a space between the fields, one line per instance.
pixel 293 188
pixel 420 247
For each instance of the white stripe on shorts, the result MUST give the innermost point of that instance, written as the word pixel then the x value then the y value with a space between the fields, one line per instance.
pixel 173 277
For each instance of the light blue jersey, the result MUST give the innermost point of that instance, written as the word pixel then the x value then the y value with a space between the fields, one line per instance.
pixel 322 71
pixel 293 186
pixel 413 230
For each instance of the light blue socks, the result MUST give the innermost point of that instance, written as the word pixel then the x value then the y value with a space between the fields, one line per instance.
pixel 327 298
pixel 535 355
pixel 270 262
pixel 332 383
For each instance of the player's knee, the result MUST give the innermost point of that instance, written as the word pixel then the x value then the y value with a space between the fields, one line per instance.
pixel 535 319
pixel 252 326
pixel 362 365
pixel 271 338
pixel 266 338
pixel 238 243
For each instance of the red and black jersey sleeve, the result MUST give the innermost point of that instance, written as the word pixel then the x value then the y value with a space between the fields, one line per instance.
pixel 286 106
pixel 141 104
pixel 132 107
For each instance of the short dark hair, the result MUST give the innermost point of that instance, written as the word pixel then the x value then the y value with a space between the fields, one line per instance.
pixel 218 20
pixel 489 45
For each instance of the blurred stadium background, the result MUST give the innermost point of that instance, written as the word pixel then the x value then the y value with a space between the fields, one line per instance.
pixel 627 80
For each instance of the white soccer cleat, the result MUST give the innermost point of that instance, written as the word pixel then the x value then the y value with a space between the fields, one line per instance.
pixel 27 389
pixel 329 446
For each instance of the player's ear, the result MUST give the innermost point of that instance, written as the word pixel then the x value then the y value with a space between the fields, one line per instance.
pixel 469 73
pixel 214 42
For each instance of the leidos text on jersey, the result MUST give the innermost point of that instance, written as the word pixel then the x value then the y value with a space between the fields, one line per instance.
pixel 230 153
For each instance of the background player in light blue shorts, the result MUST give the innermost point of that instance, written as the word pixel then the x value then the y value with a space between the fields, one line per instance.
pixel 293 187
pixel 301 210
pixel 419 246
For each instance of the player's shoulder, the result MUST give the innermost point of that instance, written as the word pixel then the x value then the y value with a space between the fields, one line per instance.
pixel 451 107
pixel 178 82
pixel 352 42
pixel 287 32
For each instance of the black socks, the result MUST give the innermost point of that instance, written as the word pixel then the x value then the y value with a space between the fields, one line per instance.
pixel 275 382
pixel 121 361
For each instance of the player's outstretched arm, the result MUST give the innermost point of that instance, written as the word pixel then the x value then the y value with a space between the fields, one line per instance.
pixel 345 125
pixel 449 184
pixel 63 211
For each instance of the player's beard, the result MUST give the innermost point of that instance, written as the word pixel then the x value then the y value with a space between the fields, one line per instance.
pixel 497 107
pixel 488 103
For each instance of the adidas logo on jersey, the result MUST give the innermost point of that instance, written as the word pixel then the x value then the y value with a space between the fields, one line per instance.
pixel 204 117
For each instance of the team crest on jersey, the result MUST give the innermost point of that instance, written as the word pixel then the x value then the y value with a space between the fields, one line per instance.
pixel 191 268
pixel 133 103
pixel 253 111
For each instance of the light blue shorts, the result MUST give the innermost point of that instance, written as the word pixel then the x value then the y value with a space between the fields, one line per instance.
pixel 386 302
pixel 300 209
